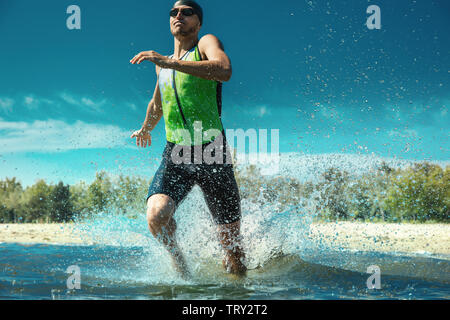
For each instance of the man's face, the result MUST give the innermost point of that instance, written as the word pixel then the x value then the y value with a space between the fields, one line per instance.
pixel 184 25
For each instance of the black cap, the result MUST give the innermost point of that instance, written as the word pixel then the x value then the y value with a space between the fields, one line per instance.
pixel 195 6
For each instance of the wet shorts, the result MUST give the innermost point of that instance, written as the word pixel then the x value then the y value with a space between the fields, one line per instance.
pixel 215 178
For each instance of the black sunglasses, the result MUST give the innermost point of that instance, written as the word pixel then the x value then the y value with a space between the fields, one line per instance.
pixel 185 12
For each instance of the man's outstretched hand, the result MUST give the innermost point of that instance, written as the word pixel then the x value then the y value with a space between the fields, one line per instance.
pixel 152 56
pixel 143 138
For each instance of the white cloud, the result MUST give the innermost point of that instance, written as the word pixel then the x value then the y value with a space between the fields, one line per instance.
pixel 56 135
pixel 29 100
pixel 263 111
pixel 6 104
pixel 406 133
pixel 328 113
pixel 425 113
pixel 254 111
pixel 68 98
pixel 131 105
pixel 32 102
pixel 84 102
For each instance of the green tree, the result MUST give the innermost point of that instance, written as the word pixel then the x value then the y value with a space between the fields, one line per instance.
pixel 420 193
pixel 61 208
pixel 128 195
pixel 80 199
pixel 334 195
pixel 361 196
pixel 366 195
pixel 10 200
pixel 37 202
pixel 385 169
pixel 100 192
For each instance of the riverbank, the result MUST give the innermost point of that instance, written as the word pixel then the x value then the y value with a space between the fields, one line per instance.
pixel 385 237
pixel 381 237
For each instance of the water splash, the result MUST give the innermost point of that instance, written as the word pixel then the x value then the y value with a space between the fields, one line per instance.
pixel 271 232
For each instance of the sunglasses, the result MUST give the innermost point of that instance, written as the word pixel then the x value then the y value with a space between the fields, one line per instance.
pixel 187 12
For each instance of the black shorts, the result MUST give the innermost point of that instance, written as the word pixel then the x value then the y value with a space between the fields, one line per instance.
pixel 216 180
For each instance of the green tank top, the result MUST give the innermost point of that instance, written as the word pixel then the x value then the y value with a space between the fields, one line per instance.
pixel 187 99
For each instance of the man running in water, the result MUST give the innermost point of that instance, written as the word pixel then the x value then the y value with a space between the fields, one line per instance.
pixel 188 93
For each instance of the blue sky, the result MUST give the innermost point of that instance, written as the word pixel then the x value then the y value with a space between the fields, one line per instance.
pixel 69 99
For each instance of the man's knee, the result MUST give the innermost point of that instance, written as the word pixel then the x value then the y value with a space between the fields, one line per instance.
pixel 160 209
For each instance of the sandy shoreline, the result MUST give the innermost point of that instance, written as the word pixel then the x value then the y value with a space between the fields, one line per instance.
pixel 431 239
pixel 403 238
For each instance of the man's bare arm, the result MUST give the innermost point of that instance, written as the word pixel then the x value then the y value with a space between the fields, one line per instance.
pixel 217 66
pixel 153 115
pixel 154 109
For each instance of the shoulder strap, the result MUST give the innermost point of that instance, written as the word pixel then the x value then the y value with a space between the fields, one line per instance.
pixel 177 98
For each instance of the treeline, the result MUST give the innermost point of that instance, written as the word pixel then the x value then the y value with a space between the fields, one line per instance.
pixel 63 203
pixel 418 193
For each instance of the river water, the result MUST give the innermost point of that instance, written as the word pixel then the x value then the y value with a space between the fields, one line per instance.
pixel 123 261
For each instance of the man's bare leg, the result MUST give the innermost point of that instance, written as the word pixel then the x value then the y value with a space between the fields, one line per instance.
pixel 229 236
pixel 160 210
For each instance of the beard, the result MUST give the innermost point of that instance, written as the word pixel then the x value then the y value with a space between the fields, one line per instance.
pixel 184 33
